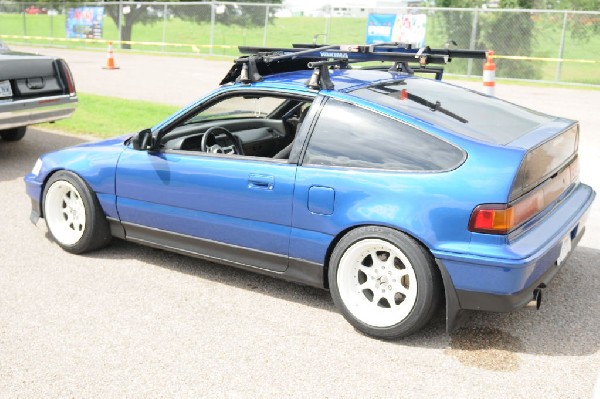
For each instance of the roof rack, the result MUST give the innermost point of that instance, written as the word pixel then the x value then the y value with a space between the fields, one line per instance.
pixel 262 61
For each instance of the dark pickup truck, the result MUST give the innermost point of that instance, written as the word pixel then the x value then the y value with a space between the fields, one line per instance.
pixel 33 89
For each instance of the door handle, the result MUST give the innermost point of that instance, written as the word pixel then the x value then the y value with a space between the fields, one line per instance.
pixel 260 182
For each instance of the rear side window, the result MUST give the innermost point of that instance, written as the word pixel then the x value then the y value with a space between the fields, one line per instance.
pixel 350 136
pixel 459 110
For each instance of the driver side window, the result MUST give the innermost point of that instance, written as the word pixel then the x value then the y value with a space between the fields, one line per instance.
pixel 252 124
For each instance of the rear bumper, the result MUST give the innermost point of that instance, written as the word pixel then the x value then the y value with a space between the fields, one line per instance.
pixel 476 282
pixel 473 300
pixel 28 112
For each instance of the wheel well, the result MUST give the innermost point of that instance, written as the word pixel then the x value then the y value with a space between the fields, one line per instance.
pixel 341 234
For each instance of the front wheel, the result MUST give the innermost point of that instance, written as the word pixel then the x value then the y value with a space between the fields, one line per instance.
pixel 73 214
pixel 384 283
pixel 14 134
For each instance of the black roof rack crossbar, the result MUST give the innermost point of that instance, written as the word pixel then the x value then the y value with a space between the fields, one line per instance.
pixel 378 52
pixel 261 61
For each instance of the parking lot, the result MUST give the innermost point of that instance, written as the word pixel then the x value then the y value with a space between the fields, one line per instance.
pixel 131 321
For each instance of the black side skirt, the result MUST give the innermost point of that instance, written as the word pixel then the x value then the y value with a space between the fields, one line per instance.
pixel 275 265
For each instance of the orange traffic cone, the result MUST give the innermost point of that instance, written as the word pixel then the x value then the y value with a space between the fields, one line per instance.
pixel 489 74
pixel 110 60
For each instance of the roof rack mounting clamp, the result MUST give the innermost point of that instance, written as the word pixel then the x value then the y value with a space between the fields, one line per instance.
pixel 320 78
pixel 244 78
pixel 254 75
pixel 401 66
pixel 249 73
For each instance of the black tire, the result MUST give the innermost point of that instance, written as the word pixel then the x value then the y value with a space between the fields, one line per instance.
pixel 406 307
pixel 14 134
pixel 74 233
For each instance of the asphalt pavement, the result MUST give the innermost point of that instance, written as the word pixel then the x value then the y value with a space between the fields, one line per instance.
pixel 131 321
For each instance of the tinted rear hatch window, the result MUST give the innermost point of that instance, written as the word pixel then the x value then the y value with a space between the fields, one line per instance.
pixel 456 109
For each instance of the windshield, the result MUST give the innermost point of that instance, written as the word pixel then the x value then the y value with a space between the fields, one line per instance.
pixel 456 109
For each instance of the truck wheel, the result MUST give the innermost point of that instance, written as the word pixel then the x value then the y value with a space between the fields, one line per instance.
pixel 384 283
pixel 73 214
pixel 14 134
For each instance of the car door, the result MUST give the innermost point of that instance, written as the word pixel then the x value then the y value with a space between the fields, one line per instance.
pixel 221 206
pixel 229 209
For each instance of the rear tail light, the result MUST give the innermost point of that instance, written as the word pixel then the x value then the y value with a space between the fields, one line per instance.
pixel 68 77
pixel 504 218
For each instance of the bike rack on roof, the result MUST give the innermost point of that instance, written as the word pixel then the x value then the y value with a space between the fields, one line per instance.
pixel 262 61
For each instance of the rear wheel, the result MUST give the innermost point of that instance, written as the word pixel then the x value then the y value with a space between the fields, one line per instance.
pixel 384 283
pixel 73 214
pixel 14 134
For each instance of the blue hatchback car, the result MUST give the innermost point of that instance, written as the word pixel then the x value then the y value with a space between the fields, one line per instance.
pixel 393 191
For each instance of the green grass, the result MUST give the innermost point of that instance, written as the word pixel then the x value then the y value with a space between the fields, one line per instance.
pixel 101 116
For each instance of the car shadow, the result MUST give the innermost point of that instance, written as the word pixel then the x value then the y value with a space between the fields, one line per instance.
pixel 488 340
pixel 206 270
pixel 18 157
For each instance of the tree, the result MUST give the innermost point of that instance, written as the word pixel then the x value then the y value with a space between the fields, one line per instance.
pixel 131 14
pixel 458 26
pixel 507 33
pixel 511 33
pixel 137 12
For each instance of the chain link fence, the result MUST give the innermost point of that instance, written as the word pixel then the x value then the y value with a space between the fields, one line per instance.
pixel 546 45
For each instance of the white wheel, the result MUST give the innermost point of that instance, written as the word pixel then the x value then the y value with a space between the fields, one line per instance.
pixel 377 283
pixel 384 282
pixel 65 212
pixel 73 215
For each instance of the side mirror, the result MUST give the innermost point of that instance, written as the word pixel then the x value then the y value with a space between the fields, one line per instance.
pixel 143 140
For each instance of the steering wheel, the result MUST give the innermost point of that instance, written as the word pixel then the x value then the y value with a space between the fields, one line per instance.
pixel 209 142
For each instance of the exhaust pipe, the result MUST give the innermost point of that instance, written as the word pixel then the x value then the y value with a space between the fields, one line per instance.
pixel 536 302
